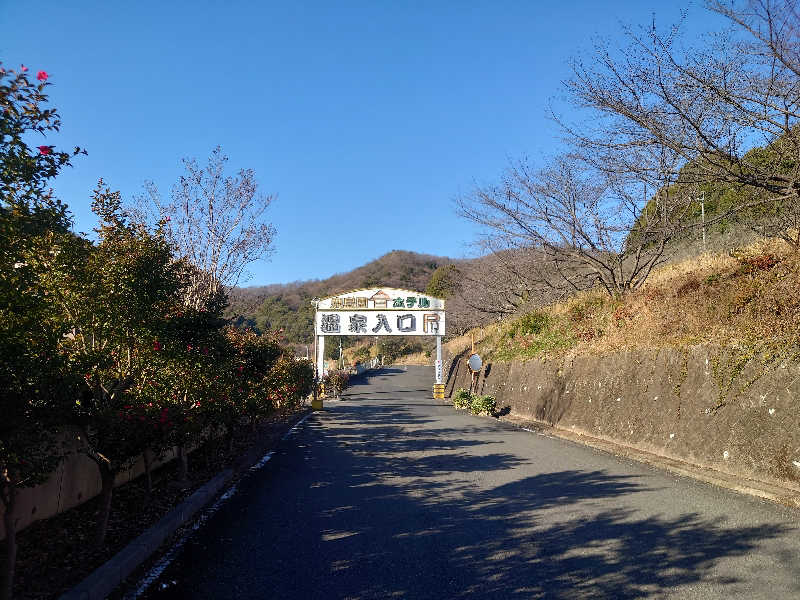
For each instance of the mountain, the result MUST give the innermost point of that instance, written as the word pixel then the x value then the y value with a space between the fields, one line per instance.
pixel 288 306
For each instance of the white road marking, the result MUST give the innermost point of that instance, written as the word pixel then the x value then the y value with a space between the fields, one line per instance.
pixel 155 572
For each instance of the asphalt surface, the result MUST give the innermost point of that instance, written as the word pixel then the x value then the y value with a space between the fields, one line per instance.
pixel 390 494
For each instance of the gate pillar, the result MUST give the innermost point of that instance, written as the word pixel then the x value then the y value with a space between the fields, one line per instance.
pixel 438 386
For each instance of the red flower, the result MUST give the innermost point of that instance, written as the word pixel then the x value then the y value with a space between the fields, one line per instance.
pixel 45 150
pixel 41 76
pixel 23 68
pixel 156 345
pixel 188 347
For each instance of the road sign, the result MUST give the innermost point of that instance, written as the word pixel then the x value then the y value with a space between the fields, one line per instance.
pixel 475 363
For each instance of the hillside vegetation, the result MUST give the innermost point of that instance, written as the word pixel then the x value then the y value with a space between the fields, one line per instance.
pixel 748 300
pixel 288 306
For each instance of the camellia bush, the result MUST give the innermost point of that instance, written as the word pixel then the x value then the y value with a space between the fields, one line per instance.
pixel 115 295
pixel 106 348
pixel 36 385
pixel 290 381
pixel 253 357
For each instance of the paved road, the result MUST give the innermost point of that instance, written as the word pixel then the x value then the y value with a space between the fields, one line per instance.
pixel 388 494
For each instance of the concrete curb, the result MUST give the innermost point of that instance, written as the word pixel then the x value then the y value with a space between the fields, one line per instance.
pixel 109 576
pixel 105 579
pixel 752 487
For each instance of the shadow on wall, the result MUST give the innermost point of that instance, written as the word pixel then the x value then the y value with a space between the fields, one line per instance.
pixel 554 403
pixel 458 365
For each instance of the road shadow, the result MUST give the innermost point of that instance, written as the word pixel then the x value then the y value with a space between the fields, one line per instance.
pixel 379 501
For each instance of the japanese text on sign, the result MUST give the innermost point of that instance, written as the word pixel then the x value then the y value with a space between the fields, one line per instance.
pixel 380 323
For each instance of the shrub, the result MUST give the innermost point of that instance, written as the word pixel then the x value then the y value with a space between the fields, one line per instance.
pixel 392 348
pixel 289 381
pixel 462 399
pixel 532 323
pixel 534 334
pixel 750 265
pixel 482 405
pixel 361 354
pixel 336 382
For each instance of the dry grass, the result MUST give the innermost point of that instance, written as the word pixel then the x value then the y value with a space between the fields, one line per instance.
pixel 418 358
pixel 749 298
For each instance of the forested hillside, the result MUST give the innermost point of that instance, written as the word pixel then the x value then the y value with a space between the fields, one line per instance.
pixel 288 306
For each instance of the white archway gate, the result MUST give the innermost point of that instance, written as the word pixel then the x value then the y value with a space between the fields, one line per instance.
pixel 380 312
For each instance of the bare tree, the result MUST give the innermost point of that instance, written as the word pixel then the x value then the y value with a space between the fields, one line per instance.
pixel 722 113
pixel 568 227
pixel 503 282
pixel 216 223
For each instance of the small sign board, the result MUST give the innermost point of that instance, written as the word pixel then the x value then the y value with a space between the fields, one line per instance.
pixel 439 371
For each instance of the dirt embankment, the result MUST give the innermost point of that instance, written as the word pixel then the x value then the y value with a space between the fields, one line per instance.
pixel 713 407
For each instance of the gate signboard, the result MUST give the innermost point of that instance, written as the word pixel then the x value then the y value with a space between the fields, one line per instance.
pixel 379 312
pixel 384 311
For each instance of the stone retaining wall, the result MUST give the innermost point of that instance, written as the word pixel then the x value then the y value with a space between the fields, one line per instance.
pixel 712 407
pixel 74 482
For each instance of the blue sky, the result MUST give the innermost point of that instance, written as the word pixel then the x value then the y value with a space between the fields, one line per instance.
pixel 365 118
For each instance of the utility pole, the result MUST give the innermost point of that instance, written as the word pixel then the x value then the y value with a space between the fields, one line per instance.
pixel 319 344
pixel 316 400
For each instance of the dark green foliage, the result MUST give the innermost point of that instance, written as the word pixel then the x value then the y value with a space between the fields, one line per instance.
pixel 332 345
pixel 294 319
pixel 444 281
pixel 532 323
pixel 462 398
pixel 393 347
pixel 36 383
pixel 476 404
pixel 362 354
pixel 482 405
pixel 289 307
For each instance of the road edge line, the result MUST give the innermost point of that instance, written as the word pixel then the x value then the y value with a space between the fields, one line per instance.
pixel 107 577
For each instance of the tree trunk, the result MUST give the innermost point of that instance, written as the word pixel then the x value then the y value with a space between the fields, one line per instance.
pixel 147 456
pixel 183 464
pixel 9 520
pixel 104 510
pixel 229 440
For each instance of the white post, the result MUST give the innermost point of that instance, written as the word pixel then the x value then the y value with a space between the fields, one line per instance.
pixel 438 386
pixel 321 357
pixel 439 359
